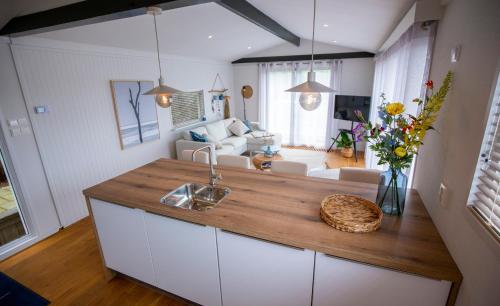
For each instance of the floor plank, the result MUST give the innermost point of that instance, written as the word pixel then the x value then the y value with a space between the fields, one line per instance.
pixel 66 269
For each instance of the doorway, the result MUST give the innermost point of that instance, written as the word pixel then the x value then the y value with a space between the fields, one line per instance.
pixel 12 224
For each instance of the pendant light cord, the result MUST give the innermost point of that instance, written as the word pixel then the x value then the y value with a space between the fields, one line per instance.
pixel 312 44
pixel 158 45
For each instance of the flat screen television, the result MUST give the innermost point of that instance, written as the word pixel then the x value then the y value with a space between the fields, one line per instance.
pixel 346 105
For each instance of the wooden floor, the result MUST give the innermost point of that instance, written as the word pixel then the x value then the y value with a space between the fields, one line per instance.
pixel 66 269
pixel 335 160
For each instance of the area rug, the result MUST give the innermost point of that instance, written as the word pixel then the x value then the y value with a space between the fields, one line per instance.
pixel 13 293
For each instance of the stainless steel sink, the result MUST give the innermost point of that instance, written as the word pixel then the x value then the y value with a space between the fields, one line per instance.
pixel 195 196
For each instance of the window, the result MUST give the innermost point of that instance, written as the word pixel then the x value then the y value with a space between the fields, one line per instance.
pixel 284 115
pixel 484 197
pixel 187 108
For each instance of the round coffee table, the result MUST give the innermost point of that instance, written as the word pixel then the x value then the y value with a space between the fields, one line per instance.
pixel 260 160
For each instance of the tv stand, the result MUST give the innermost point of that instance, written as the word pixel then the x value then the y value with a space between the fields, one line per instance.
pixel 350 132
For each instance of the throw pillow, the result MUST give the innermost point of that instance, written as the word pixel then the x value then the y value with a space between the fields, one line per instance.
pixel 198 137
pixel 212 139
pixel 238 128
pixel 249 125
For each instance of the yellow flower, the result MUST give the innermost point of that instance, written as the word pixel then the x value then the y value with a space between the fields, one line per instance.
pixel 394 108
pixel 400 151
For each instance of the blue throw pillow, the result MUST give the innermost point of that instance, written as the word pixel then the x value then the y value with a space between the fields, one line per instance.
pixel 249 125
pixel 198 137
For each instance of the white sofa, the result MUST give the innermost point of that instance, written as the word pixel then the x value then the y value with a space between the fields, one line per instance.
pixel 230 143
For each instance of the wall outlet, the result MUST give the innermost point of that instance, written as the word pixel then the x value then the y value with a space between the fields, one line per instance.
pixel 443 195
pixel 455 53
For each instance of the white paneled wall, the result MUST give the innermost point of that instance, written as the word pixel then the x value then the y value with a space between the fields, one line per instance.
pixel 78 137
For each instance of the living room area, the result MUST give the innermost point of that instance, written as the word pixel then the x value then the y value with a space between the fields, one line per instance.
pixel 319 138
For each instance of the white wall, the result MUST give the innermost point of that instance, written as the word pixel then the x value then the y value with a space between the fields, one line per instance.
pixel 357 78
pixel 24 152
pixel 450 154
pixel 78 137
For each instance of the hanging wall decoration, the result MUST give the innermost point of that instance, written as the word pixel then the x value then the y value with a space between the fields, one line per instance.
pixel 218 96
pixel 246 93
pixel 227 110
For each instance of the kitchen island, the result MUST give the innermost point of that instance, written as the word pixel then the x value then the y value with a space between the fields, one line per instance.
pixel 265 244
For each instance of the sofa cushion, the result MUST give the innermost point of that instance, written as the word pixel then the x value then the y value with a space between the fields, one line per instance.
pixel 227 123
pixel 217 130
pixel 235 141
pixel 212 139
pixel 238 128
pixel 198 137
pixel 225 149
pixel 200 130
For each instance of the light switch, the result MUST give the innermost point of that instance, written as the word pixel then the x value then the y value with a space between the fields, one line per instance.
pixel 23 122
pixel 12 123
pixel 15 132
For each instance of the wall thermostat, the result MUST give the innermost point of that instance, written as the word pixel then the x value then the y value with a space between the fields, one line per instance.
pixel 41 109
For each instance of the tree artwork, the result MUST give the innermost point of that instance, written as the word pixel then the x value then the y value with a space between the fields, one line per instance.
pixel 135 112
pixel 136 106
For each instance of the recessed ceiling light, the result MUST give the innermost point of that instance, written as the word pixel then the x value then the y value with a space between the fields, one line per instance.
pixel 210 36
pixel 249 47
pixel 334 41
pixel 325 25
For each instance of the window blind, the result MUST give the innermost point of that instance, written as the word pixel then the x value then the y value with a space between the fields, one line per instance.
pixel 484 198
pixel 187 108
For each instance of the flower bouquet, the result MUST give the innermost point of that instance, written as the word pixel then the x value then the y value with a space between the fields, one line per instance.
pixel 396 138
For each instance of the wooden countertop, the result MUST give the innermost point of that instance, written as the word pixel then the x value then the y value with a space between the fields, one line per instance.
pixel 285 209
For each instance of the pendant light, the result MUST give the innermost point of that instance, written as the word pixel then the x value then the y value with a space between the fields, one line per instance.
pixel 310 97
pixel 161 92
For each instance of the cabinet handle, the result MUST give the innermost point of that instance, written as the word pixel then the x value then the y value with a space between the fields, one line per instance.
pixel 265 240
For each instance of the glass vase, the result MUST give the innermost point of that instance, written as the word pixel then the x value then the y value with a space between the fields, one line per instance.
pixel 392 192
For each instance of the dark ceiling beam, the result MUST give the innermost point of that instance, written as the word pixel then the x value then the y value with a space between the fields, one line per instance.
pixel 254 15
pixel 304 57
pixel 84 13
pixel 95 11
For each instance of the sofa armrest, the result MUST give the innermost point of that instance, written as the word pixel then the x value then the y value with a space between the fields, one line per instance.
pixel 182 144
pixel 256 126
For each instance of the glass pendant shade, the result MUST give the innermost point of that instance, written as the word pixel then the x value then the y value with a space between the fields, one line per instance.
pixel 310 100
pixel 310 97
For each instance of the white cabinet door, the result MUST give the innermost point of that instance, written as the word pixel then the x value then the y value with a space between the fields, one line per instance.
pixel 339 282
pixel 185 259
pixel 257 272
pixel 123 240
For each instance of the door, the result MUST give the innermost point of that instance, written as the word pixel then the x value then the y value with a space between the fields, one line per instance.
pixel 346 283
pixel 185 259
pixel 12 223
pixel 257 272
pixel 123 239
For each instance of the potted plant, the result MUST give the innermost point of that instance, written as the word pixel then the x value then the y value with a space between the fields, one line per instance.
pixel 395 139
pixel 344 142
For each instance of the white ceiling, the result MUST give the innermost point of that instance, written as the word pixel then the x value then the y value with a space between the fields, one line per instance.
pixel 182 31
pixel 355 24
pixel 359 24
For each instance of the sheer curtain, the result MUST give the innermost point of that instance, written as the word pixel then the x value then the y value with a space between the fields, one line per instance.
pixel 280 111
pixel 401 72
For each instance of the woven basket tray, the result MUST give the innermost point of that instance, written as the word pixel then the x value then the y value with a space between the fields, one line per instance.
pixel 350 213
